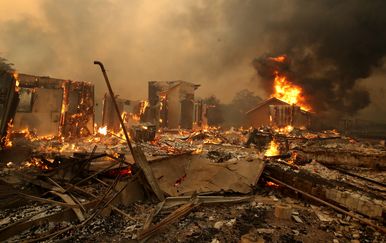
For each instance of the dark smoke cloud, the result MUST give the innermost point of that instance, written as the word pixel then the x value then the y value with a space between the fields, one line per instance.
pixel 331 46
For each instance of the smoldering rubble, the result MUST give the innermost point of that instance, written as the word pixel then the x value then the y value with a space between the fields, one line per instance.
pixel 154 181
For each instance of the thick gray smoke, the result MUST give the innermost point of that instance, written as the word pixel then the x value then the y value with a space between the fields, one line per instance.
pixel 331 46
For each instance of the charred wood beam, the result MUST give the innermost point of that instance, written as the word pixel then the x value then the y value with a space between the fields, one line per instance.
pixel 357 176
pixel 173 217
pixel 364 221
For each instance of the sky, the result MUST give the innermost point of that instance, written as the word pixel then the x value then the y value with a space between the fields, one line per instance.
pixel 212 43
pixel 137 41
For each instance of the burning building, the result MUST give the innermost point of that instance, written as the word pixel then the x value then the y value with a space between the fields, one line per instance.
pixel 277 113
pixel 287 105
pixel 172 105
pixel 54 107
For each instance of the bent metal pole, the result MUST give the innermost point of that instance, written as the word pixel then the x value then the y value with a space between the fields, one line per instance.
pixel 115 105
pixel 138 156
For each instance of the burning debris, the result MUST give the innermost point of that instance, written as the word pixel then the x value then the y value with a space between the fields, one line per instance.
pixel 226 184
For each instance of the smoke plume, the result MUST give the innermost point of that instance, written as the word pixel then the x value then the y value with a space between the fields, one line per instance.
pixel 332 44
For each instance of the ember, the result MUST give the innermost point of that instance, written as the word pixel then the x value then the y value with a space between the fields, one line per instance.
pixel 272 184
pixel 102 130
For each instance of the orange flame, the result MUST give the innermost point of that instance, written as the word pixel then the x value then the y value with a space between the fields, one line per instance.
pixel 143 107
pixel 278 59
pixel 273 149
pixel 16 77
pixel 286 91
pixel 272 184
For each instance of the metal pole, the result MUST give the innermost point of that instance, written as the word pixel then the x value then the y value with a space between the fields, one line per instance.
pixel 138 156
pixel 115 105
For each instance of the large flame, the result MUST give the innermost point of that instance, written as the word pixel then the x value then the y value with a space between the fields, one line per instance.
pixel 285 90
pixel 288 92
pixel 273 149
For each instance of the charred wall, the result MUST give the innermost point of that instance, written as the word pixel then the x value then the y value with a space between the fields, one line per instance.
pixel 55 107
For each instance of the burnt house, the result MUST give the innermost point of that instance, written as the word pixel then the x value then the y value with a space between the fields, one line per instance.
pixel 172 104
pixel 54 107
pixel 277 113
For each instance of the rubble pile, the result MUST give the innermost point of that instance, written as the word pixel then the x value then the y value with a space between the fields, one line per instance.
pixel 217 186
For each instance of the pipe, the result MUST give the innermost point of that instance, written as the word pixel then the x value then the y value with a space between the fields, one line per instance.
pixel 115 105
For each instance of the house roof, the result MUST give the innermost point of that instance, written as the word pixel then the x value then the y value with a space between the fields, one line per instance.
pixel 266 102
pixel 272 99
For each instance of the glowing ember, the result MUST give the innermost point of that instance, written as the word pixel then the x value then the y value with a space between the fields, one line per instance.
pixel 285 130
pixel 272 184
pixel 273 149
pixel 293 158
pixel 179 181
pixel 199 150
pixel 135 117
pixel 103 130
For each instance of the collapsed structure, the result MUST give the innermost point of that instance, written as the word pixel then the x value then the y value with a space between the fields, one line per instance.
pixel 89 181
pixel 55 107
pixel 131 112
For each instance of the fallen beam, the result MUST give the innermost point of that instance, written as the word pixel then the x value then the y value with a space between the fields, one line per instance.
pixel 171 218
pixel 365 221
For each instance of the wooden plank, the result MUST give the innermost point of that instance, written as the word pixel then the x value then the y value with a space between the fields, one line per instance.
pixel 171 218
pixel 69 200
pixel 140 158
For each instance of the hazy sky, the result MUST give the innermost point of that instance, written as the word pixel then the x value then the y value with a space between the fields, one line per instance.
pixel 211 43
pixel 138 41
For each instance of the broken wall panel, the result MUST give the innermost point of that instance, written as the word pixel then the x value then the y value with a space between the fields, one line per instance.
pixel 109 115
pixel 79 116
pixel 186 174
pixel 44 114
pixel 131 112
pixel 9 100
